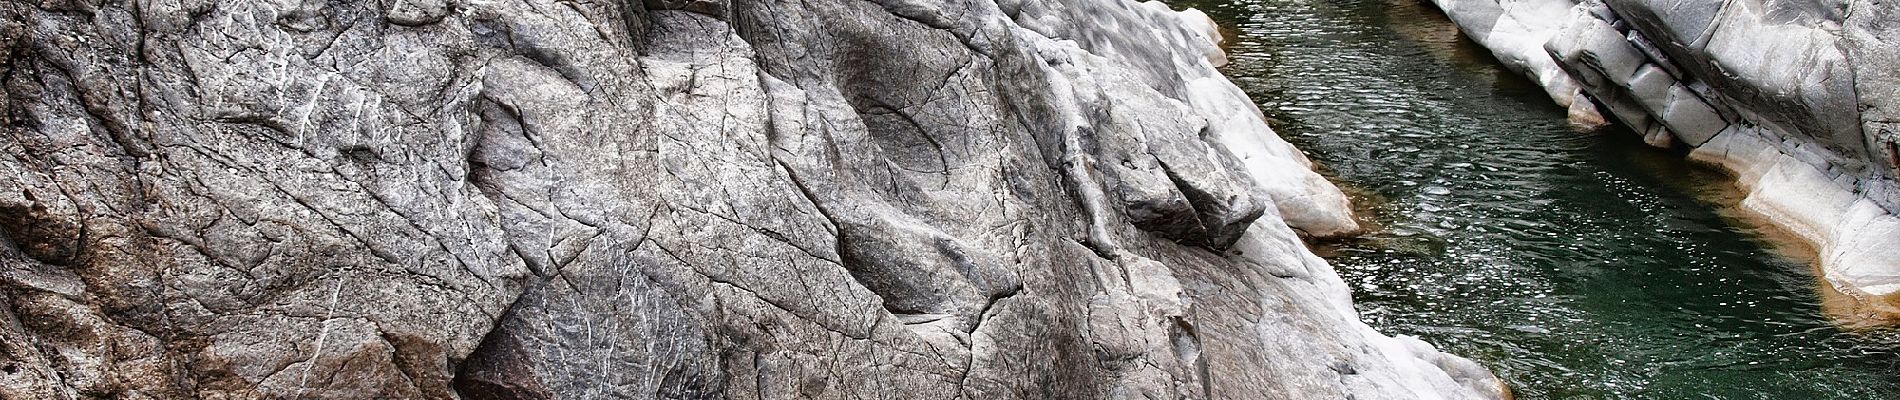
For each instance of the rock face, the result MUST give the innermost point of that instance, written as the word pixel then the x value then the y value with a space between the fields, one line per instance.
pixel 747 199
pixel 1516 32
pixel 1798 98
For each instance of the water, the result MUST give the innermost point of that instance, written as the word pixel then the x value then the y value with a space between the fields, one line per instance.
pixel 1576 265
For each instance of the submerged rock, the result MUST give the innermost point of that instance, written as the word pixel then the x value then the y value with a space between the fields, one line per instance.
pixel 1798 99
pixel 662 199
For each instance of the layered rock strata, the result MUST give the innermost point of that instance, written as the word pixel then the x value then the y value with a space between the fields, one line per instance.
pixel 1797 98
pixel 743 199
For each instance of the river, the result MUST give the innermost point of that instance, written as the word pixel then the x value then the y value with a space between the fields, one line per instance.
pixel 1578 265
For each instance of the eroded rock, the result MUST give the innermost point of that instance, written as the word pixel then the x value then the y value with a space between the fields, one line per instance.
pixel 662 199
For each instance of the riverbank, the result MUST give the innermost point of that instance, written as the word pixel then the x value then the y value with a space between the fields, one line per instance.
pixel 817 199
pixel 1763 97
pixel 1853 239
pixel 1575 264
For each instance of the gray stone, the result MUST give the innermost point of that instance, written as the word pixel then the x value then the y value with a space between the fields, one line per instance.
pixel 1679 26
pixel 660 199
pixel 1651 87
pixel 1689 117
pixel 1814 71
pixel 1591 42
pixel 418 12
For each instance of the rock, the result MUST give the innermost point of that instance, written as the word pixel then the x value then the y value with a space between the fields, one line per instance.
pixel 1690 117
pixel 418 12
pixel 1795 98
pixel 1517 32
pixel 662 199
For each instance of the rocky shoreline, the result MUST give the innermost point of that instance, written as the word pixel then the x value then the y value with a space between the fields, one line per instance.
pixel 1797 100
pixel 743 199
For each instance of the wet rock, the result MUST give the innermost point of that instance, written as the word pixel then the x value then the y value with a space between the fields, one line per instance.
pixel 1796 98
pixel 1517 32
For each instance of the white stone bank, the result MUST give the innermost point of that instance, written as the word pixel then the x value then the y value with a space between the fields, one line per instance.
pixel 1793 99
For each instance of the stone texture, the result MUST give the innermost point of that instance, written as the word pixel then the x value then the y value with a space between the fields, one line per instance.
pixel 743 199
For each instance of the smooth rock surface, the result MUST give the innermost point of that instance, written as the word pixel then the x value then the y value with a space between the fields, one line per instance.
pixel 1796 97
pixel 662 199
pixel 1516 31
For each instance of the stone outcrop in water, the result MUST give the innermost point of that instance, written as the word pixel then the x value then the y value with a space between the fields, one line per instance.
pixel 1798 98
pixel 661 199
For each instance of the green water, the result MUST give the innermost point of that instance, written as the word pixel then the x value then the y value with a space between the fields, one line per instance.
pixel 1576 265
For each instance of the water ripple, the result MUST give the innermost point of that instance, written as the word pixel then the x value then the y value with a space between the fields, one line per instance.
pixel 1576 265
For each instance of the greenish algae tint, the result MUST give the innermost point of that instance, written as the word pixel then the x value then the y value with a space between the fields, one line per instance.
pixel 1577 265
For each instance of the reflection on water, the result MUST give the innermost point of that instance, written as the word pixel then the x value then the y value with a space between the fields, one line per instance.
pixel 1577 265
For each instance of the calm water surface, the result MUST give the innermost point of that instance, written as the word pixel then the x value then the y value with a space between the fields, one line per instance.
pixel 1577 265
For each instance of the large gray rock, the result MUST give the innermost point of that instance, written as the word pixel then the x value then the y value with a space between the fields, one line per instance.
pixel 1798 98
pixel 664 199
